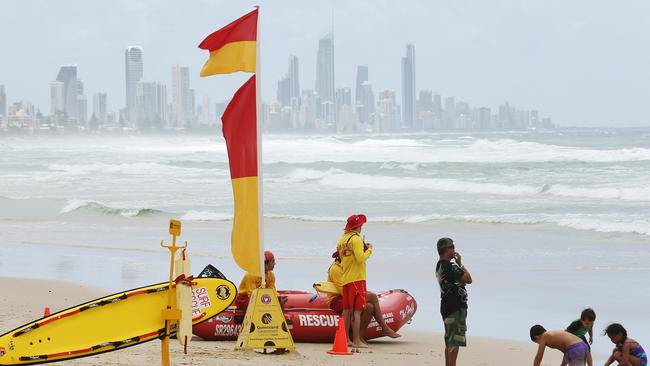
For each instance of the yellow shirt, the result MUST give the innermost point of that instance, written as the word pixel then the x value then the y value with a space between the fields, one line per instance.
pixel 335 276
pixel 249 283
pixel 353 257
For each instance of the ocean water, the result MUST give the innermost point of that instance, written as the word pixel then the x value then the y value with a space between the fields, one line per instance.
pixel 593 180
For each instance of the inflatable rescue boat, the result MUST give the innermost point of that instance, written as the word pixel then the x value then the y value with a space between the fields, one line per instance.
pixel 310 319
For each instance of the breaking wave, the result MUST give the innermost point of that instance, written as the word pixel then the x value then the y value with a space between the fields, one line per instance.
pixel 87 206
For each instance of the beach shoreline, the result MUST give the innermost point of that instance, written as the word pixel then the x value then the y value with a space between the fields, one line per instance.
pixel 521 272
pixel 30 296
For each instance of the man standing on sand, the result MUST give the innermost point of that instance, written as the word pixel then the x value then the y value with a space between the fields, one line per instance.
pixel 452 278
pixel 354 253
pixel 576 351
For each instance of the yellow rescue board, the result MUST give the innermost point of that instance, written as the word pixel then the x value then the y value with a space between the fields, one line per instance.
pixel 327 288
pixel 111 323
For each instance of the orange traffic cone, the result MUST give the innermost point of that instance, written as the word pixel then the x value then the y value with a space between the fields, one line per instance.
pixel 46 312
pixel 340 346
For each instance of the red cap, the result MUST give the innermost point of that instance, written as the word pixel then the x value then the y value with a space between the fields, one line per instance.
pixel 268 256
pixel 355 221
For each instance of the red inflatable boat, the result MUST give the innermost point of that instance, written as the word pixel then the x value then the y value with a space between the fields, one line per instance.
pixel 310 319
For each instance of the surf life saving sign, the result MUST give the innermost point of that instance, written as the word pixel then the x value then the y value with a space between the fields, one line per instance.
pixel 234 48
pixel 264 325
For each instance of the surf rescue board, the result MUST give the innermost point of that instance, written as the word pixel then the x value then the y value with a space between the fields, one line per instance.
pixel 110 323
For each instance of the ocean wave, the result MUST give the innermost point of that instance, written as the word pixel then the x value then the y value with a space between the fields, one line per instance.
pixel 88 206
pixel 604 193
pixel 448 150
pixel 577 222
pixel 607 226
pixel 206 216
pixel 574 222
pixel 338 178
pixel 138 168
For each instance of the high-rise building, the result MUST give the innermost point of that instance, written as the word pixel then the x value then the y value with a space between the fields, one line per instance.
pixel 294 78
pixel 134 68
pixel 325 68
pixel 388 113
pixel 100 109
pixel 449 115
pixel 485 118
pixel 408 87
pixel 182 97
pixel 67 95
pixel 205 116
pixel 284 91
pixel 362 77
pixel 437 107
pixel 151 105
pixel 82 109
pixel 57 97
pixel 72 88
pixel 366 109
pixel 3 101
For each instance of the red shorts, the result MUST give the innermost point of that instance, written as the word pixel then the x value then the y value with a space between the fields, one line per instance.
pixel 337 304
pixel 354 296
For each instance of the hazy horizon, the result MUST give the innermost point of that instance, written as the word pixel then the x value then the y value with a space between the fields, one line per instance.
pixel 581 63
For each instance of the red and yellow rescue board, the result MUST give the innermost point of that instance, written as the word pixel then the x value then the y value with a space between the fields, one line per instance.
pixel 108 324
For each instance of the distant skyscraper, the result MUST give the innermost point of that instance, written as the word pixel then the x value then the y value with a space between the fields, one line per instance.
pixel 408 87
pixel 182 103
pixel 284 91
pixel 82 108
pixel 388 113
pixel 362 77
pixel 3 101
pixel 449 118
pixel 57 97
pixel 72 91
pixel 366 109
pixel 100 106
pixel 294 77
pixel 151 104
pixel 134 68
pixel 325 68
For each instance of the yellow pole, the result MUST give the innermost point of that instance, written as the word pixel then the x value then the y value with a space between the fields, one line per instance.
pixel 171 313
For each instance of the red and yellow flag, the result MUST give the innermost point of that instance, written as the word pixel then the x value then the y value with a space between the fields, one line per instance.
pixel 233 47
pixel 240 131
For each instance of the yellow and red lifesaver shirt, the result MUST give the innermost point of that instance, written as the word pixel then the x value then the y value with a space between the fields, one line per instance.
pixel 335 276
pixel 353 257
pixel 249 283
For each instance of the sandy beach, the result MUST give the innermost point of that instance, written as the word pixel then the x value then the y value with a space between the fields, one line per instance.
pixel 415 347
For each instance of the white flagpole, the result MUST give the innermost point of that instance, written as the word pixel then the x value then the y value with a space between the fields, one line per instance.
pixel 258 107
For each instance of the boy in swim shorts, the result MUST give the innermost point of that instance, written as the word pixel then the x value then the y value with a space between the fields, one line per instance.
pixel 576 352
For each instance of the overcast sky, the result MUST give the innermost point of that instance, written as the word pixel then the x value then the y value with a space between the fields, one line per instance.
pixel 584 63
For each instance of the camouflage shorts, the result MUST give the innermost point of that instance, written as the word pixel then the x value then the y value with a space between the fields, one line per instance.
pixel 455 329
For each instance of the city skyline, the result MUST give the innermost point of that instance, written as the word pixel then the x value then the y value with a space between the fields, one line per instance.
pixel 327 108
pixel 440 68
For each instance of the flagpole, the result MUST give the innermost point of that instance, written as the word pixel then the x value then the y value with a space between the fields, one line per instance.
pixel 260 180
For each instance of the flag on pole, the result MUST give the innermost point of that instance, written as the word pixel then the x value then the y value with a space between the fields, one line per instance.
pixel 233 47
pixel 240 131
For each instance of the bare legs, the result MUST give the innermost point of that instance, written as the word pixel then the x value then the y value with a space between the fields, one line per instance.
pixel 373 300
pixel 632 361
pixel 366 318
pixel 451 355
